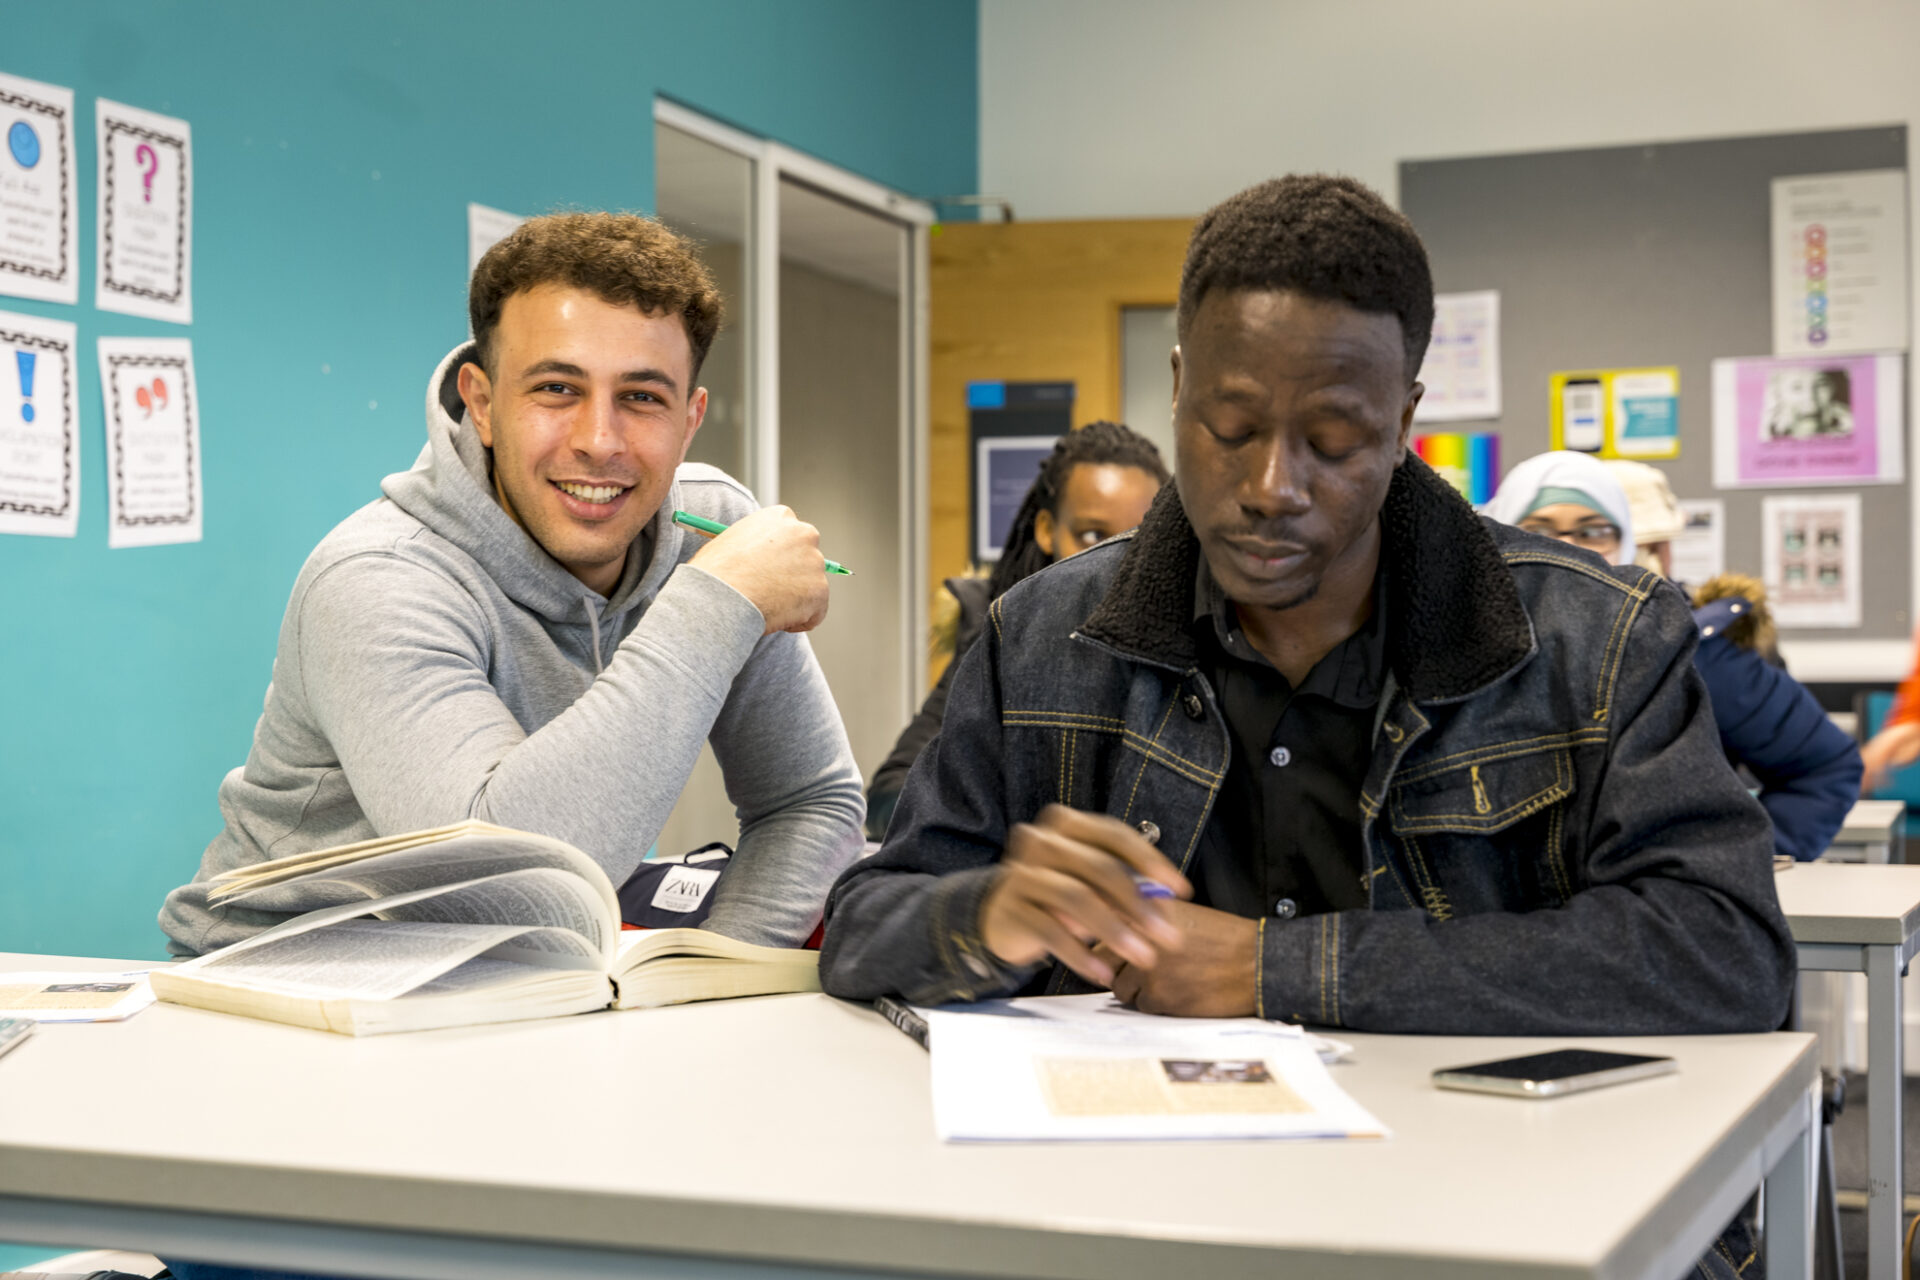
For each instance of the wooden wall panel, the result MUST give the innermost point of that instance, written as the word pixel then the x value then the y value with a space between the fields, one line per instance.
pixel 1030 302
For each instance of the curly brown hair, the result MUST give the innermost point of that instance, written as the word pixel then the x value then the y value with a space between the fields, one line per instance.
pixel 628 259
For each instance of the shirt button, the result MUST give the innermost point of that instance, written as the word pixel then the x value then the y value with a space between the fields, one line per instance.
pixel 1286 908
pixel 1279 757
pixel 1150 832
pixel 1192 705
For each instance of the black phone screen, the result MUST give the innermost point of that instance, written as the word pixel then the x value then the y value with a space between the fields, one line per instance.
pixel 1561 1064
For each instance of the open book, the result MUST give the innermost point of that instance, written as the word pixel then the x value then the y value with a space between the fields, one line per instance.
pixel 463 924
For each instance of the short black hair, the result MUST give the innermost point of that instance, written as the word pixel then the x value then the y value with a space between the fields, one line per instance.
pixel 1327 237
pixel 1095 443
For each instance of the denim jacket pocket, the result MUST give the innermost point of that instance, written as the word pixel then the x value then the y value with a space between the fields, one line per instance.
pixel 1444 819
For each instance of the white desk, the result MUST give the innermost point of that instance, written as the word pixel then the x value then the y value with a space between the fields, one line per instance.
pixel 1863 919
pixel 1875 831
pixel 797 1130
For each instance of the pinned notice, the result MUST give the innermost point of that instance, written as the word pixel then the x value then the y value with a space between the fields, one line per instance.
pixel 145 260
pixel 39 428
pixel 153 441
pixel 39 193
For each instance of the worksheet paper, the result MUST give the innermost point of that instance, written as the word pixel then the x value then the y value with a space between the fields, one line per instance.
pixel 74 997
pixel 39 193
pixel 145 258
pixel 39 428
pixel 1700 548
pixel 1811 559
pixel 1840 262
pixel 1462 370
pixel 153 441
pixel 1086 1068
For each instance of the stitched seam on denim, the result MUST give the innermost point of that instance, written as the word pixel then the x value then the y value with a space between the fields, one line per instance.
pixel 1720 1247
pixel 1063 717
pixel 1480 822
pixel 1556 831
pixel 1742 1268
pixel 1024 720
pixel 1500 751
pixel 1073 761
pixel 1610 670
pixel 1336 968
pixel 993 611
pixel 1259 968
pixel 1186 858
pixel 1147 757
pixel 1191 775
pixel 1154 747
pixel 1060 774
pixel 1323 968
pixel 1534 557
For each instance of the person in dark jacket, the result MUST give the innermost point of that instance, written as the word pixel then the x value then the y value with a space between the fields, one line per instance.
pixel 1404 770
pixel 1807 768
pixel 1097 482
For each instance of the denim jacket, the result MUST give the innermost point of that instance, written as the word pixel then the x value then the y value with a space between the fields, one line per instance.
pixel 1553 840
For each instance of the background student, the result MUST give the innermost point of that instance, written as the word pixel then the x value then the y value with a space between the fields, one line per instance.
pixel 1808 769
pixel 1097 482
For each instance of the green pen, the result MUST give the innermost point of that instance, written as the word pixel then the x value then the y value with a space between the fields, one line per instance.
pixel 713 529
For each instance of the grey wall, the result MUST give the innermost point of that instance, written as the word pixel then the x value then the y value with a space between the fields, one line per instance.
pixel 1648 255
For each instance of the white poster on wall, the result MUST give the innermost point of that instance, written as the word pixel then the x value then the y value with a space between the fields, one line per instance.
pixel 1462 370
pixel 1810 555
pixel 39 428
pixel 153 441
pixel 39 193
pixel 1700 548
pixel 486 228
pixel 145 255
pixel 1840 262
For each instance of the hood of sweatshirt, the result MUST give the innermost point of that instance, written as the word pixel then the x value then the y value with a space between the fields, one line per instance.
pixel 450 490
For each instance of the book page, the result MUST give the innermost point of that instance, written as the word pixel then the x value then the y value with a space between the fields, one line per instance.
pixel 639 946
pixel 364 959
pixel 471 852
pixel 537 896
pixel 293 864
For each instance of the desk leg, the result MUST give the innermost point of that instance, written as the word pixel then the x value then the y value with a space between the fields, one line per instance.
pixel 1885 1074
pixel 1787 1201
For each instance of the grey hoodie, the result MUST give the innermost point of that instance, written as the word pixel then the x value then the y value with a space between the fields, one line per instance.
pixel 435 664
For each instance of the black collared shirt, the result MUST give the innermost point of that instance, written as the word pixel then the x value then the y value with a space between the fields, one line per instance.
pixel 1284 837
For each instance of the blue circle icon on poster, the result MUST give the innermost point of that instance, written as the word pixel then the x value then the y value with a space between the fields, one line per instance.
pixel 24 143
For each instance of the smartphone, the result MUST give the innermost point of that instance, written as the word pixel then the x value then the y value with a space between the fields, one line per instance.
pixel 1580 409
pixel 1548 1075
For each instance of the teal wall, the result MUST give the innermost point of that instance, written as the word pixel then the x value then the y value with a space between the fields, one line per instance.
pixel 336 147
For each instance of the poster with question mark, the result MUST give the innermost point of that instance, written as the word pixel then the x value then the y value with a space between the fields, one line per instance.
pixel 153 441
pixel 145 237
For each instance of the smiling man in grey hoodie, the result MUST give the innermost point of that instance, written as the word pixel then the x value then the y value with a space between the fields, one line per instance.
pixel 517 631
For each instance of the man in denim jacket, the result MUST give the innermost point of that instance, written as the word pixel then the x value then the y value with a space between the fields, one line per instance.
pixel 1404 770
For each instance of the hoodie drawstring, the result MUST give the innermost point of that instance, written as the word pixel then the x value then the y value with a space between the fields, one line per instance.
pixel 593 625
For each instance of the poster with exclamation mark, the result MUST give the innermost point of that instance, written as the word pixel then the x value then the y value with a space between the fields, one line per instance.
pixel 39 428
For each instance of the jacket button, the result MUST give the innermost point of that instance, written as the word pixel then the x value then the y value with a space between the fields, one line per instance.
pixel 1286 908
pixel 1280 757
pixel 1192 705
pixel 1150 832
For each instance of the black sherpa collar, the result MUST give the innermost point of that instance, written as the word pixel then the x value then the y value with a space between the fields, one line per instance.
pixel 1455 613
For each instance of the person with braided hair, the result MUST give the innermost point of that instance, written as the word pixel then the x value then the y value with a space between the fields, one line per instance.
pixel 1097 482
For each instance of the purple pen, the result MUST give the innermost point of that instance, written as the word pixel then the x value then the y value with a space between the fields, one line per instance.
pixel 1151 888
